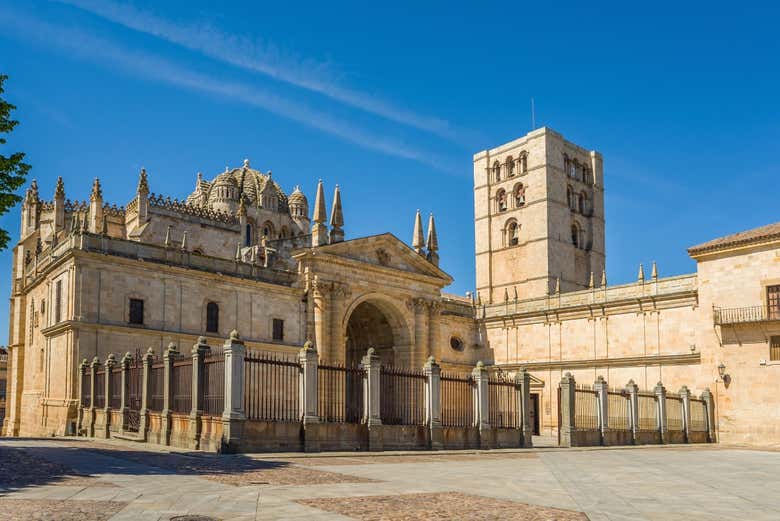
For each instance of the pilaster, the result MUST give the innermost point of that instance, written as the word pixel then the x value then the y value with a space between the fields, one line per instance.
pixel 566 397
pixel 432 372
pixel 233 416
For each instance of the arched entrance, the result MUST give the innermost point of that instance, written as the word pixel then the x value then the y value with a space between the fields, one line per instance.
pixel 376 323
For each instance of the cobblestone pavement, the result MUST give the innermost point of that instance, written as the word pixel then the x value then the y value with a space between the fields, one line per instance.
pixel 64 479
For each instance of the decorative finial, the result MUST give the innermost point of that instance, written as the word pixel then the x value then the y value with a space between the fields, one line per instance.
pixel 336 218
pixel 590 281
pixel 234 335
pixel 246 163
pixel 168 235
pixel 59 190
pixel 418 242
pixel 97 192
pixel 557 285
pixel 515 289
pixel 320 215
pixel 604 279
pixel 238 251
pixel 143 183
pixel 184 240
pixel 654 273
pixel 433 239
pixel 641 275
pixel 506 295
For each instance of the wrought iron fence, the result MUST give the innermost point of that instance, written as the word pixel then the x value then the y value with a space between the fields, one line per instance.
pixel 503 408
pixel 647 411
pixel 402 396
pixel 181 384
pixel 134 393
pixel 271 387
pixel 86 388
pixel 586 416
pixel 115 388
pixel 674 417
pixel 457 400
pixel 698 415
pixel 212 390
pixel 618 409
pixel 722 316
pixel 157 387
pixel 340 393
pixel 100 389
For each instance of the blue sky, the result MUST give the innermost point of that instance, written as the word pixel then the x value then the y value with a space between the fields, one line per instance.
pixel 391 101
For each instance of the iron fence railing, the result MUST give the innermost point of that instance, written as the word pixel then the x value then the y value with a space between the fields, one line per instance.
pixel 157 387
pixel 340 393
pixel 86 388
pixel 647 412
pixel 698 415
pixel 725 316
pixel 457 400
pixel 181 384
pixel 271 387
pixel 674 415
pixel 502 403
pixel 115 388
pixel 618 410
pixel 586 415
pixel 100 389
pixel 402 396
pixel 212 391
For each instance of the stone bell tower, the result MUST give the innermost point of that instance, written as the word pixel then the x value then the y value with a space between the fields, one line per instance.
pixel 539 217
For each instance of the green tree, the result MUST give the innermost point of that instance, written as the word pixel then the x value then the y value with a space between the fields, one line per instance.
pixel 13 169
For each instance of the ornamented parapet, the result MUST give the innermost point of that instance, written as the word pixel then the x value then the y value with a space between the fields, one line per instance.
pixel 183 207
pixel 76 206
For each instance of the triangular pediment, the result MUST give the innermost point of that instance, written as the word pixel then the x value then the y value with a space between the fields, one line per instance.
pixel 384 251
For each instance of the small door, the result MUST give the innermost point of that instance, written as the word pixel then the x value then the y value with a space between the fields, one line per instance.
pixel 535 413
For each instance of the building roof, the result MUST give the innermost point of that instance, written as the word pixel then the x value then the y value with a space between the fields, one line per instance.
pixel 756 235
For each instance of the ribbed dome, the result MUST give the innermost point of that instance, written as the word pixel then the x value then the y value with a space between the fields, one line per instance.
pixel 246 182
pixel 297 197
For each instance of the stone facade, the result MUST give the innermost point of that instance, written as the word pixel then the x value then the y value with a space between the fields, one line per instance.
pixel 90 279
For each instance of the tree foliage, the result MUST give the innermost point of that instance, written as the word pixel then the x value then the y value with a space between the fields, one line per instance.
pixel 13 169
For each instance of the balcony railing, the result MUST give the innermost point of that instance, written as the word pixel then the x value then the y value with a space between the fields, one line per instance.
pixel 746 315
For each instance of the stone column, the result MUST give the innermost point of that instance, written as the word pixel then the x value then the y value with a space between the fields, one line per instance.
pixel 434 312
pixel 633 395
pixel 685 394
pixel 199 351
pixel 421 331
pixel 322 321
pixel 233 416
pixel 432 372
pixel 707 397
pixel 93 371
pixel 523 382
pixel 148 359
pixel 107 377
pixel 168 358
pixel 124 401
pixel 308 359
pixel 566 398
pixel 600 386
pixel 660 396
pixel 481 418
pixel 83 367
pixel 372 417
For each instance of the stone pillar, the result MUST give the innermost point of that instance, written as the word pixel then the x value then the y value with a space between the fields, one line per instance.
pixel 199 351
pixel 168 358
pixel 421 332
pixel 600 386
pixel 707 397
pixel 108 366
pixel 432 372
pixel 148 359
pixel 481 405
pixel 308 358
pixel 372 364
pixel 83 367
pixel 233 416
pixel 321 321
pixel 434 312
pixel 633 395
pixel 93 371
pixel 660 396
pixel 523 382
pixel 566 404
pixel 685 394
pixel 124 401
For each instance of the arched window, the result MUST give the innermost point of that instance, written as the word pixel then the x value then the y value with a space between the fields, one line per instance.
pixel 501 200
pixel 582 203
pixel 512 233
pixel 248 235
pixel 570 197
pixel 573 166
pixel 212 317
pixel 497 171
pixel 575 235
pixel 510 166
pixel 566 163
pixel 268 230
pixel 524 164
pixel 519 195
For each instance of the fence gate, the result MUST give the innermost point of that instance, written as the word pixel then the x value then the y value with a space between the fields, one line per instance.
pixel 133 392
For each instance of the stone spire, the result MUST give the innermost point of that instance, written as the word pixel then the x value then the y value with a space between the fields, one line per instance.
pixel 96 207
pixel 433 242
pixel 97 191
pixel 59 190
pixel 654 273
pixel 143 183
pixel 59 205
pixel 604 279
pixel 590 281
pixel 336 218
pixel 417 237
pixel 319 232
pixel 641 276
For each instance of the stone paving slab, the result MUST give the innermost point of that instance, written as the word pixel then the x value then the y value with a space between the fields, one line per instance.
pixel 54 510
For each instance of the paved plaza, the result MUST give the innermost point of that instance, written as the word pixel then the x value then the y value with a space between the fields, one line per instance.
pixel 76 479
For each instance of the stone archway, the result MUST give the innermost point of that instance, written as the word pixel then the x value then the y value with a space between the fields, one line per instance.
pixel 376 323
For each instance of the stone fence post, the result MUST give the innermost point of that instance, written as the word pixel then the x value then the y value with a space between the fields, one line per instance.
pixel 199 351
pixel 633 396
pixel 660 395
pixel 168 358
pixel 566 405
pixel 481 405
pixel 602 401
pixel 108 366
pixel 233 416
pixel 523 389
pixel 309 360
pixel 432 372
pixel 83 368
pixel 685 394
pixel 124 399
pixel 148 359
pixel 92 393
pixel 706 396
pixel 372 400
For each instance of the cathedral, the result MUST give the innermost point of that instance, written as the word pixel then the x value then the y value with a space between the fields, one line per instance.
pixel 92 278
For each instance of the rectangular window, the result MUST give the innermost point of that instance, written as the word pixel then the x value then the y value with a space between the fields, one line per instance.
pixel 58 302
pixel 773 302
pixel 278 329
pixel 136 311
pixel 774 348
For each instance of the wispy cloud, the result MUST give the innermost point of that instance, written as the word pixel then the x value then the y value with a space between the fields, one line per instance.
pixel 105 52
pixel 254 54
